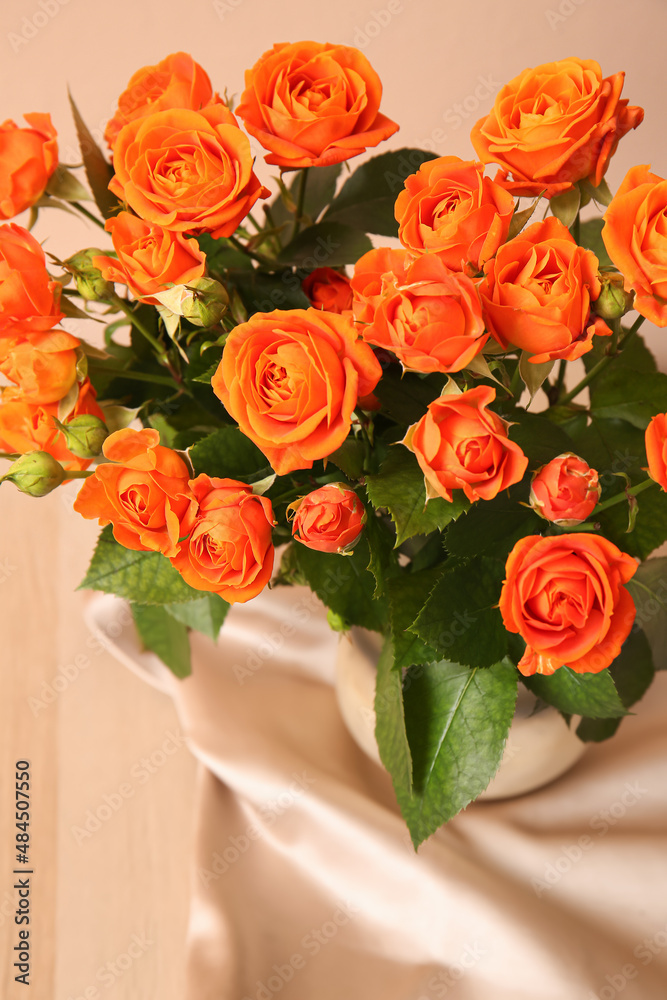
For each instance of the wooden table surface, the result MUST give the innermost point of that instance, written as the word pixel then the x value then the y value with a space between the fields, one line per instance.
pixel 110 889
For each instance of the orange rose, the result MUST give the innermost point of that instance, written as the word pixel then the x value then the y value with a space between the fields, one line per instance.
pixel 555 125
pixel 28 297
pixel 150 258
pixel 143 491
pixel 460 445
pixel 291 379
pixel 374 273
pixel 565 490
pixel 537 291
pixel 28 157
pixel 634 235
pixel 176 82
pixel 229 549
pixel 28 427
pixel 428 316
pixel 565 597
pixel 188 171
pixel 330 519
pixel 656 449
pixel 311 104
pixel 44 368
pixel 328 289
pixel 449 208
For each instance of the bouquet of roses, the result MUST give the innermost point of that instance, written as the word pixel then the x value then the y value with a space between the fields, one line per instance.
pixel 404 420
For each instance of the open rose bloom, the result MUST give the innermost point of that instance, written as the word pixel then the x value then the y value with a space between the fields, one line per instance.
pixel 329 519
pixel 554 125
pixel 28 158
pixel 566 598
pixel 381 376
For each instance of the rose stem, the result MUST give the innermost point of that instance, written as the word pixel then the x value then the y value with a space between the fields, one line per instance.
pixel 259 257
pixel 515 382
pixel 88 215
pixel 300 199
pixel 132 375
pixel 602 364
pixel 632 491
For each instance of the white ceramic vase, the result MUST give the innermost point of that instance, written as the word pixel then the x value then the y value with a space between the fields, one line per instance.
pixel 539 748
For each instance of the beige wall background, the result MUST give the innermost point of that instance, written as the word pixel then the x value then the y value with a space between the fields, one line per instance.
pixel 441 64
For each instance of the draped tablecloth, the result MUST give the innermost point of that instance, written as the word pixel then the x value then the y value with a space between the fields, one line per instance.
pixel 306 886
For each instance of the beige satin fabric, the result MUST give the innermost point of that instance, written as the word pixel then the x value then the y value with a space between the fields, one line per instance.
pixel 306 886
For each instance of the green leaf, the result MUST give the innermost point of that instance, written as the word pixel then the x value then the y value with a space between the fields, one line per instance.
pixel 205 615
pixel 399 488
pixel 600 194
pixel 534 376
pixel 222 255
pixel 159 422
pixel 539 438
pixel 349 458
pixel 70 309
pixel 64 184
pixel 390 731
pixel 343 584
pixel 590 236
pixel 326 244
pixel 165 636
pixel 492 527
pixel 366 200
pixel 592 695
pixel 619 393
pixel 408 593
pixel 263 292
pixel 383 563
pixel 206 376
pixel 98 171
pixel 519 219
pixel 457 721
pixel 143 577
pixel 461 619
pixel 565 206
pixel 229 454
pixel 320 188
pixel 632 672
pixel 648 588
pixel 613 447
pixel 406 398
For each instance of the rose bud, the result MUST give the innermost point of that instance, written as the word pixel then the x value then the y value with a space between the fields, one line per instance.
pixel 330 519
pixel 202 302
pixel 613 301
pixel 207 304
pixel 84 435
pixel 565 490
pixel 328 289
pixel 656 449
pixel 36 473
pixel 90 283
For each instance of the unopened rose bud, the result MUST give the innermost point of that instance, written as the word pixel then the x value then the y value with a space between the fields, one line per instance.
pixel 613 301
pixel 565 491
pixel 36 473
pixel 207 304
pixel 89 281
pixel 330 519
pixel 84 435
